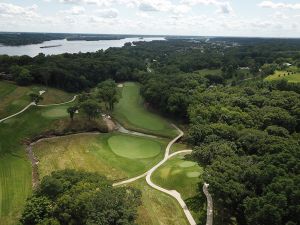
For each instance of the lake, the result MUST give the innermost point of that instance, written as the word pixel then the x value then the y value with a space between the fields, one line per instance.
pixel 68 46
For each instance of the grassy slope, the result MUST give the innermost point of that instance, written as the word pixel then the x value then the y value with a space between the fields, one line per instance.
pixel 15 169
pixel 158 208
pixel 13 98
pixel 131 112
pixel 95 153
pixel 183 176
pixel 294 76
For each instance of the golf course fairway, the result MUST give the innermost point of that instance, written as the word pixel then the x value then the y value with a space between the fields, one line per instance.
pixel 117 156
pixel 132 114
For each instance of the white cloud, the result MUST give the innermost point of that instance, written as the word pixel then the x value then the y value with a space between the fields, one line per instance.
pixel 108 13
pixel 273 5
pixel 75 10
pixel 223 7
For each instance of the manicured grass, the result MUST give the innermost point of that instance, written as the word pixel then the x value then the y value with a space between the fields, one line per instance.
pixel 132 114
pixel 134 147
pixel 15 169
pixel 157 207
pixel 183 176
pixel 292 76
pixel 117 156
pixel 57 112
pixel 14 98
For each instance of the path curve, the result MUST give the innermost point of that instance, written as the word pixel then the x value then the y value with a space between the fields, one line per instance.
pixel 57 104
pixel 32 104
pixel 172 193
pixel 6 118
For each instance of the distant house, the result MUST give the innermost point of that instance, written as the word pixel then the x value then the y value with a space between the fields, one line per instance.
pixel 244 68
pixel 287 64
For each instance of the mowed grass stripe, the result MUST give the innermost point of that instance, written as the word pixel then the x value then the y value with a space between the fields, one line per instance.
pixel 14 166
pixel 132 114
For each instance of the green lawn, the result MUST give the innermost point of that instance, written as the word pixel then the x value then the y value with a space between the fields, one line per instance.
pixel 132 114
pixel 13 98
pixel 117 156
pixel 290 76
pixel 158 208
pixel 183 176
pixel 15 169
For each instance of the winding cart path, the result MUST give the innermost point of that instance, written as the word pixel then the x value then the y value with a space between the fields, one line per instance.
pixel 172 193
pixel 32 104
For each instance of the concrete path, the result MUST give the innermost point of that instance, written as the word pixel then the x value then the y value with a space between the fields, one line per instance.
pixel 63 103
pixel 6 118
pixel 32 103
pixel 172 193
pixel 209 210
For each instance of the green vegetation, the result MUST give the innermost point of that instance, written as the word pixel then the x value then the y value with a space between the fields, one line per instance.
pixel 131 112
pixel 15 169
pixel 118 156
pixel 183 176
pixel 247 137
pixel 14 98
pixel 293 77
pixel 73 197
pixel 134 147
pixel 157 207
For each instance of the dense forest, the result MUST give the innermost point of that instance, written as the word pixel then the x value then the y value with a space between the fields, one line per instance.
pixel 244 130
pixel 75 197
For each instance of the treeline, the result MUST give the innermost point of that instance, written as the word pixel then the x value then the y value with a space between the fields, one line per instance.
pixel 15 39
pixel 248 140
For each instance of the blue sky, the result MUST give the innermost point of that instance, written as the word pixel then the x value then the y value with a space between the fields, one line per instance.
pixel 275 18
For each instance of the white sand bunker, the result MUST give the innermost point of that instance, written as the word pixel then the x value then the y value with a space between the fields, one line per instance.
pixel 42 92
pixel 187 164
pixel 193 174
pixel 120 85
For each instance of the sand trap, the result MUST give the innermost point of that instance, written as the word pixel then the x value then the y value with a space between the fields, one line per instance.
pixel 193 174
pixel 42 92
pixel 187 164
pixel 120 85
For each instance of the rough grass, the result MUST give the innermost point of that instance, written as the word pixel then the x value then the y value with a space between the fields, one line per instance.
pixel 132 114
pixel 183 176
pixel 158 208
pixel 97 153
pixel 290 76
pixel 15 169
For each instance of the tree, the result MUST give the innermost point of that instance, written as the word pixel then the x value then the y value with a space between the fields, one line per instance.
pixel 24 77
pixel 36 98
pixel 72 110
pixel 36 209
pixel 77 197
pixel 91 108
pixel 107 92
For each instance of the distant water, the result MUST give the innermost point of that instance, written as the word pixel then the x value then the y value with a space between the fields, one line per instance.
pixel 68 46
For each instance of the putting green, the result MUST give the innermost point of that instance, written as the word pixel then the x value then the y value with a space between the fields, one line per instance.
pixel 134 148
pixel 56 112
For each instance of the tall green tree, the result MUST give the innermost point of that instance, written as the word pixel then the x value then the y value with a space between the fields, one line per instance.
pixel 108 93
pixel 91 108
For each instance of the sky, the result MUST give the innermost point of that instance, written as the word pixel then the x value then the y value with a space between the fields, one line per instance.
pixel 257 18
